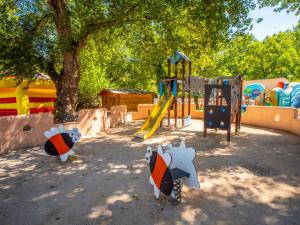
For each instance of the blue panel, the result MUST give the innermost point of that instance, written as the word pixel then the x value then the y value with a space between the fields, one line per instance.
pixel 160 88
pixel 174 88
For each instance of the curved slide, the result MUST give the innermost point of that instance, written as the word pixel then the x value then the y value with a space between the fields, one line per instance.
pixel 155 117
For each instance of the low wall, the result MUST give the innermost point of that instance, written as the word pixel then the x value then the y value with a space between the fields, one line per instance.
pixel 23 130
pixel 280 118
pixel 28 130
pixel 144 110
pixel 92 121
pixel 117 115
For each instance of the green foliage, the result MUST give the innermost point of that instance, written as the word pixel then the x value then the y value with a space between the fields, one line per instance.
pixel 92 77
pixel 288 5
pixel 24 42
pixel 137 58
pixel 276 56
pixel 126 43
pixel 135 55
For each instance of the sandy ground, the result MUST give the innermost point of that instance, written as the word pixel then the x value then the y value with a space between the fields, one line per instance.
pixel 253 180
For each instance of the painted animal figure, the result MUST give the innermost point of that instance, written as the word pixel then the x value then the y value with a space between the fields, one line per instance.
pixel 182 158
pixel 60 142
pixel 170 168
pixel 161 177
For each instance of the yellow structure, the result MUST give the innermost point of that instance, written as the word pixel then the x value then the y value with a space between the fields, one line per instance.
pixel 155 118
pixel 26 97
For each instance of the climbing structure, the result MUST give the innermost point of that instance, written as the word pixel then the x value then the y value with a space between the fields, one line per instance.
pixel 222 104
pixel 178 82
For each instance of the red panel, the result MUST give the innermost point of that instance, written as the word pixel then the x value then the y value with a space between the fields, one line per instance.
pixel 41 109
pixel 59 143
pixel 37 99
pixel 8 112
pixel 159 170
pixel 7 100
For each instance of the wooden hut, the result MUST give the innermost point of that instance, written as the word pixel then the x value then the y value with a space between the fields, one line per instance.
pixel 129 97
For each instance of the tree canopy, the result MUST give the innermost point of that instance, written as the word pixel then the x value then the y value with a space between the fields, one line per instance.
pixel 88 45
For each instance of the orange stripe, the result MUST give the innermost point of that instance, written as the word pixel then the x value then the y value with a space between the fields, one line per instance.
pixel 59 144
pixel 7 89
pixel 159 170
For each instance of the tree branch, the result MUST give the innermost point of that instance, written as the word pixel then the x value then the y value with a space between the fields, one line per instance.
pixel 95 26
pixel 39 24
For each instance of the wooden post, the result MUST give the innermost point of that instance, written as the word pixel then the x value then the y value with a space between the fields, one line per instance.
pixel 182 93
pixel 205 105
pixel 175 97
pixel 240 103
pixel 190 74
pixel 230 117
pixel 237 110
pixel 221 92
pixel 217 93
pixel 169 89
pixel 229 132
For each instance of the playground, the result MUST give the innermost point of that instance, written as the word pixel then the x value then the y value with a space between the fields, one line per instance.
pixel 254 179
pixel 149 112
pixel 210 163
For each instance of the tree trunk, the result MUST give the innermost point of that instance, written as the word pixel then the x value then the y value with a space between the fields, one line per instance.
pixel 67 86
pixel 67 82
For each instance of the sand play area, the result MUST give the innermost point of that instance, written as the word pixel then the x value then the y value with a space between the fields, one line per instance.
pixel 253 180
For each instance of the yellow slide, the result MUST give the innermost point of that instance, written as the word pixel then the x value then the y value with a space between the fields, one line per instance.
pixel 155 117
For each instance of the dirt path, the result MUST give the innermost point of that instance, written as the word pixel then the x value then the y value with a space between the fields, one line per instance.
pixel 253 180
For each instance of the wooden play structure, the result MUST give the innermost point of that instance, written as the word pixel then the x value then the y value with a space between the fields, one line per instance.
pixel 177 86
pixel 129 97
pixel 222 101
pixel 222 104
pixel 178 83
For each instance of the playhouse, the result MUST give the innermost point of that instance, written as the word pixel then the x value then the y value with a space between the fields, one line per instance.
pixel 129 97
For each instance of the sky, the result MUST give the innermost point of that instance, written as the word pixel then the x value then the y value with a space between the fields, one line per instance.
pixel 272 23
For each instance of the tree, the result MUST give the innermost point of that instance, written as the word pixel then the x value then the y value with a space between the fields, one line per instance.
pixel 48 36
pixel 274 57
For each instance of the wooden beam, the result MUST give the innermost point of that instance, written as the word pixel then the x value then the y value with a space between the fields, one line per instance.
pixel 182 93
